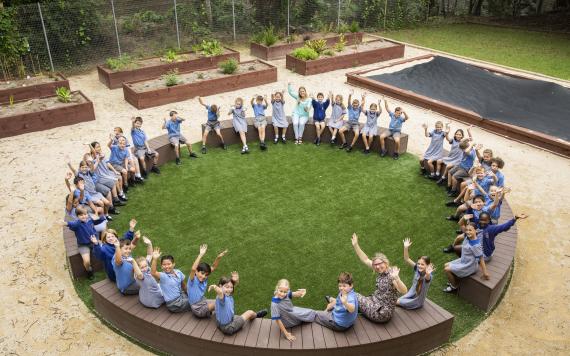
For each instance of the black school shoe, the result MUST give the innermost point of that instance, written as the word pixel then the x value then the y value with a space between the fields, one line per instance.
pixel 193 155
pixel 90 275
pixel 366 152
pixel 178 162
pixel 452 203
pixel 396 156
pixel 343 146
pixel 349 149
pixel 441 181
pixel 114 211
pixel 262 146
pixel 204 150
pixel 383 153
pixel 452 193
pixel 155 170
pixel 118 202
pixel 261 313
pixel 224 146
pixel 452 218
pixel 122 197
pixel 448 249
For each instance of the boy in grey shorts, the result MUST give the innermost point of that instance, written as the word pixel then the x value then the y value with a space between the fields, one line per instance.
pixel 259 104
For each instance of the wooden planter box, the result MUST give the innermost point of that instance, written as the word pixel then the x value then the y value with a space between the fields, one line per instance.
pixel 69 114
pixel 34 91
pixel 347 60
pixel 280 51
pixel 115 79
pixel 161 96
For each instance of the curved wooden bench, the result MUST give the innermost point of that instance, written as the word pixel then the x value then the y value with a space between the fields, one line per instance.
pixel 410 332
pixel 230 137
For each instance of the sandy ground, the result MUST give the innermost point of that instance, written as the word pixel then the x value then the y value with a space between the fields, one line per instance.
pixel 42 314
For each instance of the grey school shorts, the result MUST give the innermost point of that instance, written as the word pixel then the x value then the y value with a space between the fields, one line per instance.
pixel 180 140
pixel 142 152
pixel 325 318
pixel 132 289
pixel 179 304
pixel 259 121
pixel 119 167
pixel 84 249
pixel 352 126
pixel 391 133
pixel 459 173
pixel 233 327
pixel 212 125
pixel 200 308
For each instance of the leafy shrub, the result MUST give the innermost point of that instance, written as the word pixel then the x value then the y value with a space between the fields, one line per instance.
pixel 171 78
pixel 229 66
pixel 192 21
pixel 63 94
pixel 267 37
pixel 328 52
pixel 317 45
pixel 208 48
pixel 143 22
pixel 291 38
pixel 119 63
pixel 354 27
pixel 171 56
pixel 305 53
pixel 341 44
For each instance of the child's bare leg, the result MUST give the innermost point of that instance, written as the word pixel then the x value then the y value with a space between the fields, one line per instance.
pixel 177 150
pixel 355 138
pixel 135 169
pixel 155 159
pixel 450 276
pixel 249 315
pixel 365 140
pixel 205 137
pixel 142 162
pixel 397 141
pixel 463 185
pixel 211 307
pixel 276 132
pixel 262 133
pixel 86 257
pixel 219 133
pixel 370 140
pixel 341 134
pixel 189 147
pixel 383 141
pixel 242 138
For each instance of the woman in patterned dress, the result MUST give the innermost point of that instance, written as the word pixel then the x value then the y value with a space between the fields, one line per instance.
pixel 379 306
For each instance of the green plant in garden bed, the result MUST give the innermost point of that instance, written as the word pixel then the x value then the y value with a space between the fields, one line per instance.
pixel 171 78
pixel 63 94
pixel 305 53
pixel 171 56
pixel 122 62
pixel 209 48
pixel 317 45
pixel 229 66
pixel 341 44
pixel 328 52
pixel 267 37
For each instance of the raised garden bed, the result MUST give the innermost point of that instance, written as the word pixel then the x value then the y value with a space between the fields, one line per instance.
pixel 35 87
pixel 352 56
pixel 156 66
pixel 154 92
pixel 281 50
pixel 44 113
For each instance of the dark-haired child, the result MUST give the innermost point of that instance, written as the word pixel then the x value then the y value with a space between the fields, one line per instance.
pixel 259 104
pixel 89 180
pixel 150 294
pixel 354 110
pixel 142 149
pixel 171 282
pixel 84 198
pixel 423 270
pixel 172 126
pixel 227 322
pixel 106 173
pixel 284 313
pixel 117 134
pixel 434 152
pixel 370 128
pixel 489 231
pixel 461 171
pixel 336 121
pixel 455 154
pixel 123 266
pixel 340 313
pixel 397 119
pixel 278 118
pixel 213 123
pixel 198 284
pixel 496 165
pixel 120 160
pixel 319 112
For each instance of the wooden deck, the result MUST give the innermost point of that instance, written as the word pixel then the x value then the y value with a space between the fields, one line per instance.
pixel 408 333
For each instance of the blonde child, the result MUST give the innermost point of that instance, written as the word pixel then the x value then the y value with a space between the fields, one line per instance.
pixel 213 123
pixel 239 122
pixel 279 120
pixel 259 104
pixel 150 294
pixel 284 313
pixel 354 111
pixel 336 121
pixel 397 119
pixel 434 152
pixel 370 129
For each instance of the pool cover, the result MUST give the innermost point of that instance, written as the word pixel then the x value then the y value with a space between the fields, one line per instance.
pixel 532 104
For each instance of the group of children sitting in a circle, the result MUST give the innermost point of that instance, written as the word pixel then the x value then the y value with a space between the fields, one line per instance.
pixel 100 186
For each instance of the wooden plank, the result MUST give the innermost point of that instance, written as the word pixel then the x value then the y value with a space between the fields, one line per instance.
pixel 298 342
pixel 264 330
pixel 330 340
pixel 182 323
pixel 241 335
pixel 392 330
pixel 307 332
pixel 284 344
pixel 351 337
pixel 218 336
pixel 200 327
pixel 318 336
pixel 229 339
pixel 274 336
pixel 210 329
pixel 399 323
pixel 360 332
pixel 251 339
pixel 172 319
pixel 408 320
pixel 190 325
pixel 370 329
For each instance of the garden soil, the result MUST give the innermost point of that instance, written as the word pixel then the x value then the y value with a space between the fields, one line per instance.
pixel 41 313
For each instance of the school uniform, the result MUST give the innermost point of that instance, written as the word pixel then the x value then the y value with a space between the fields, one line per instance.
pixel 259 115
pixel 213 122
pixel 105 253
pixel 238 121
pixel 278 114
pixel 118 157
pixel 435 148
pixel 353 116
pixel 395 126
pixel 106 179
pixel 468 263
pixel 485 183
pixel 336 121
pixel 83 232
pixel 227 322
pixel 150 294
pixel 290 316
pixel 139 141
pixel 500 179
pixel 461 171
pixel 371 126
pixel 174 135
pixel 124 274
pixel 198 303
pixel 339 319
pixel 171 286
pixel 455 154
pixel 412 300
pixel 319 109
pixel 488 235
pixel 90 186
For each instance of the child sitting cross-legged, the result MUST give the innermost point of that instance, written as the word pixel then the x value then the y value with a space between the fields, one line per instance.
pixel 171 282
pixel 227 322
pixel 340 313
pixel 283 311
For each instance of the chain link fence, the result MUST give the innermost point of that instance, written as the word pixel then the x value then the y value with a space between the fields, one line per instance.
pixel 74 36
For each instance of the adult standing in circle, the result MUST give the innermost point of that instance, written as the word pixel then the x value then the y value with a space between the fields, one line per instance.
pixel 300 112
pixel 379 306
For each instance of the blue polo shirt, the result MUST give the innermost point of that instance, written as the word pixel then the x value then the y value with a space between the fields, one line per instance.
pixel 171 285
pixel 485 183
pixel 225 310
pixel 319 109
pixel 139 137
pixel 173 127
pixel 354 114
pixel 196 289
pixel 395 122
pixel 118 155
pixel 84 230
pixel 500 179
pixel 86 196
pixel 259 109
pixel 212 116
pixel 106 252
pixel 467 160
pixel 341 316
pixel 123 273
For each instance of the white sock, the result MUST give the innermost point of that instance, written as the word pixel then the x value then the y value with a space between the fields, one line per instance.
pixel 138 175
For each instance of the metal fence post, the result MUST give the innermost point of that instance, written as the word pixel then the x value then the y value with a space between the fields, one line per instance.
pixel 176 18
pixel 116 30
pixel 233 17
pixel 287 17
pixel 338 16
pixel 385 13
pixel 45 36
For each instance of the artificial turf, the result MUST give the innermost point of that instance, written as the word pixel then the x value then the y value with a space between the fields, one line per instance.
pixel 289 213
pixel 540 52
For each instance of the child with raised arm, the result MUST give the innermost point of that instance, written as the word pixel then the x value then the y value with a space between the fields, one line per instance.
pixel 284 313
pixel 108 176
pixel 278 118
pixel 84 198
pixel 227 322
pixel 212 123
pixel 259 104
pixel 336 121
pixel 171 282
pixel 142 149
pixel 123 266
pixel 370 129
pixel 172 126
pixel 340 313
pixel 150 294
pixel 455 154
pixel 461 171
pixel 117 134
pixel 89 180
pixel 354 110
pixel 300 114
pixel 198 283
pixel 239 122
pixel 104 249
pixel 423 270
pixel 319 112
pixel 120 160
pixel 434 152
pixel 397 119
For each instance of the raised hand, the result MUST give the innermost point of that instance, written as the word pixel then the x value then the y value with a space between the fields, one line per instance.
pixel 146 240
pixel 467 216
pixel 94 240
pixel 203 249
pixel 212 286
pixel 117 244
pixel 222 254
pixel 354 239
pixel 138 234
pixel 235 276
pixel 156 253
pixel 521 216
pixel 478 146
pixel 344 298
pixel 395 272
pixel 407 242
pixel 430 268
pixel 68 175
pixel 301 292
pixel 424 125
pixel 132 223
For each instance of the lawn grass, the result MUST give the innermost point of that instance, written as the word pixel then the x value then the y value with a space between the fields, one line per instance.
pixel 290 213
pixel 534 51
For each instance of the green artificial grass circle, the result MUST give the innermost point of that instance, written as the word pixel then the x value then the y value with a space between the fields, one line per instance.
pixel 289 213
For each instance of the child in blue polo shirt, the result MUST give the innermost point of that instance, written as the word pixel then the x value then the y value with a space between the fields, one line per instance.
pixel 171 282
pixel 104 249
pixel 461 171
pixel 340 313
pixel 175 137
pixel 397 119
pixel 496 165
pixel 142 148
pixel 212 123
pixel 259 104
pixel 370 129
pixel 354 110
pixel 227 322
pixel 198 283
pixel 123 266
pixel 150 294
pixel 284 313
pixel 84 229
pixel 319 113
pixel 120 159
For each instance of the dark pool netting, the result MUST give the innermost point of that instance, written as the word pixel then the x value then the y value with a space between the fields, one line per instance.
pixel 533 104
